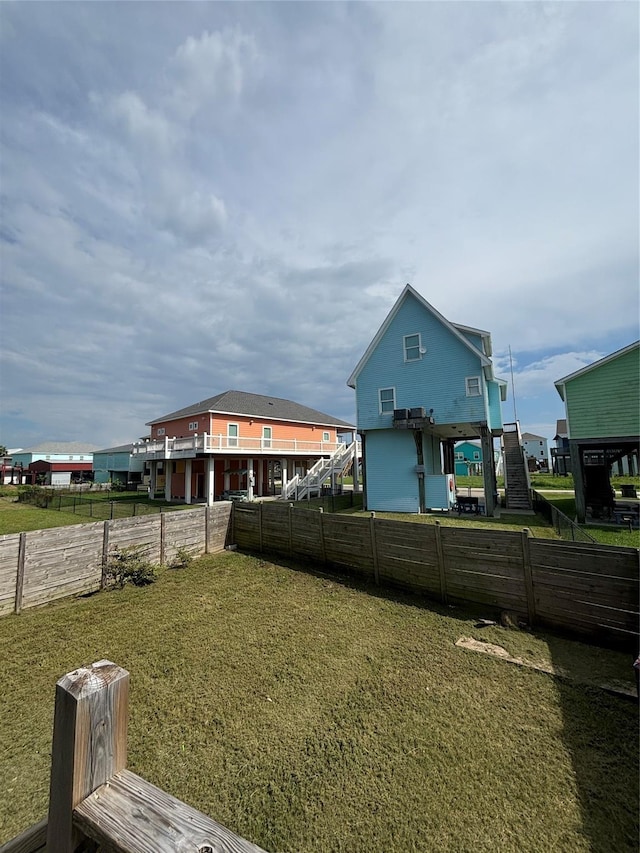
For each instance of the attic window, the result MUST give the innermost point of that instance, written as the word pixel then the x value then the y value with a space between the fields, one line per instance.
pixel 193 424
pixel 474 389
pixel 413 349
pixel 160 431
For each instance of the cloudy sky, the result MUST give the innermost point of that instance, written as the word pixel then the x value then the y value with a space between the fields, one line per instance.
pixel 207 196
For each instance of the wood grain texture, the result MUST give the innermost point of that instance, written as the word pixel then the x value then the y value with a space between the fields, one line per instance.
pixel 9 551
pixel 89 743
pixel 130 815
pixel 32 840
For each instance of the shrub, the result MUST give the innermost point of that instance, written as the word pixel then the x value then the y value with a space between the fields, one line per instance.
pixel 129 565
pixel 182 559
pixel 35 495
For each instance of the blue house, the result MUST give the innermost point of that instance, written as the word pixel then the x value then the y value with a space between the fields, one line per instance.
pixel 468 458
pixel 423 385
pixel 118 465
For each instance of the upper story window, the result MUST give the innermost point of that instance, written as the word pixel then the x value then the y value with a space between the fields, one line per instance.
pixel 326 436
pixel 266 436
pixel 476 454
pixel 459 455
pixel 413 348
pixel 232 435
pixel 193 424
pixel 160 431
pixel 474 388
pixel 387 400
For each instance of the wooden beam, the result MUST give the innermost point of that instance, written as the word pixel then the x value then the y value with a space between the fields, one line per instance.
pixel 89 743
pixel 130 815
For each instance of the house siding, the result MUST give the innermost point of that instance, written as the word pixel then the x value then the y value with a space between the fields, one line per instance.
pixel 392 484
pixel 494 412
pixel 606 395
pixel 248 427
pixel 436 381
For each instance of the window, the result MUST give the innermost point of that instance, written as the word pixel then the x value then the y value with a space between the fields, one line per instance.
pixel 412 347
pixel 459 455
pixel 266 436
pixel 160 431
pixel 387 398
pixel 232 435
pixel 474 389
pixel 476 455
pixel 326 436
pixel 193 425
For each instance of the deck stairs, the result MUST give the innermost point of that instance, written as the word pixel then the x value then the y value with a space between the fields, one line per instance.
pixel 299 488
pixel 516 473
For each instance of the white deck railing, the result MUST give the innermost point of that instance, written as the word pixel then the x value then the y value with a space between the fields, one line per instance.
pixel 166 448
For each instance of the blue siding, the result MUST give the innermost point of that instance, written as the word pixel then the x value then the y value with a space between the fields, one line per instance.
pixel 495 408
pixel 436 381
pixel 392 483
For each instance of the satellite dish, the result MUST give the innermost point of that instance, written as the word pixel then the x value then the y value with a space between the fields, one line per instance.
pixel 423 350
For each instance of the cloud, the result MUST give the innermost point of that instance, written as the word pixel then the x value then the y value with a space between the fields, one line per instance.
pixel 148 130
pixel 538 377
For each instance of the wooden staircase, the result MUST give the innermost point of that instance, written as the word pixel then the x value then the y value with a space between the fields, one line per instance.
pixel 515 469
pixel 311 484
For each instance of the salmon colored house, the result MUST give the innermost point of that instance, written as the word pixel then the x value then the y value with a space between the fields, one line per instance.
pixel 236 442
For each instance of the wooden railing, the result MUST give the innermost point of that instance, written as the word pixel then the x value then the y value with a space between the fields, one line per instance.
pixel 172 448
pixel 94 798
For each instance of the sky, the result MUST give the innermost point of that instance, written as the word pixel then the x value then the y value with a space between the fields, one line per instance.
pixel 197 197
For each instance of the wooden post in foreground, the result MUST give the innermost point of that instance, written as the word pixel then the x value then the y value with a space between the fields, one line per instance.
pixel 89 743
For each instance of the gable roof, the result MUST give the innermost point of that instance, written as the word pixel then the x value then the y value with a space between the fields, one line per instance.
pixel 455 330
pixel 561 429
pixel 258 406
pixel 560 383
pixel 68 447
pixel 121 448
pixel 527 436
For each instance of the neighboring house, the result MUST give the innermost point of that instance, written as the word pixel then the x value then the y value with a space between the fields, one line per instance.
pixel 602 403
pixel 560 455
pixel 236 442
pixel 55 463
pixel 535 447
pixel 468 458
pixel 423 385
pixel 118 465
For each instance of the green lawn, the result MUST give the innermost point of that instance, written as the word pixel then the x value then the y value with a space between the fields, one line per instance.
pixel 608 534
pixel 308 713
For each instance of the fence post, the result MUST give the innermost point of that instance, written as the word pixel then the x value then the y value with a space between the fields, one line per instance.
pixel 374 547
pixel 105 555
pixel 441 566
pixel 260 525
pixel 206 529
pixel 528 577
pixel 22 550
pixel 322 548
pixel 89 743
pixel 134 508
pixel 162 535
pixel 111 510
pixel 290 530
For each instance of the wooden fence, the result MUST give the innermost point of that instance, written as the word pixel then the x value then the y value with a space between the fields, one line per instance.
pixel 589 589
pixel 94 799
pixel 43 565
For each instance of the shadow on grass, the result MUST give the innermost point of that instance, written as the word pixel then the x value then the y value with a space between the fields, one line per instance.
pixel 599 728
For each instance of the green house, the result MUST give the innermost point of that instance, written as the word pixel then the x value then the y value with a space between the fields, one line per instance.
pixel 602 403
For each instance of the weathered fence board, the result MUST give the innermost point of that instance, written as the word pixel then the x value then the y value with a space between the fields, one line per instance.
pixel 9 546
pixel 44 565
pixel 584 587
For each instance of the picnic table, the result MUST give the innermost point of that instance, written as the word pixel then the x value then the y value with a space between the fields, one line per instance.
pixel 628 491
pixel 467 503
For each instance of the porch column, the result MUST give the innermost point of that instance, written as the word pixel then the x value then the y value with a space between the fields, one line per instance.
pixel 168 466
pixel 578 480
pixel 187 481
pixel 251 479
pixel 355 468
pixel 488 471
pixel 260 477
pixel 211 480
pixel 227 476
pixel 153 478
pixel 283 471
pixel 448 456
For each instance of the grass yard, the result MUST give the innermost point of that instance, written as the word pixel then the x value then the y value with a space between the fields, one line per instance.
pixel 308 713
pixel 607 534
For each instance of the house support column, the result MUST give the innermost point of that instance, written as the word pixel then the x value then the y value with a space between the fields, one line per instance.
pixel 227 476
pixel 417 437
pixel 153 479
pixel 356 468
pixel 211 480
pixel 187 481
pixel 168 469
pixel 283 474
pixel 488 472
pixel 251 479
pixel 448 456
pixel 260 482
pixel 577 470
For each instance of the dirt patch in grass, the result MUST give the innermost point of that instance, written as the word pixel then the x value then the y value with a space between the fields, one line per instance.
pixel 308 713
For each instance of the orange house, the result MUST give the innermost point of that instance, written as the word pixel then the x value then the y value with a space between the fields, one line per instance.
pixel 236 442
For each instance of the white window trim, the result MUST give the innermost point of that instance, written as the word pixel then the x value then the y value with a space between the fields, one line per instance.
pixel 326 436
pixel 393 400
pixel 267 439
pixel 420 347
pixel 459 456
pixel 193 424
pixel 470 393
pixel 476 455
pixel 160 431
pixel 236 436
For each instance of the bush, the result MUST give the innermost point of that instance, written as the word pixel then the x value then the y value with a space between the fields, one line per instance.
pixel 35 495
pixel 182 559
pixel 129 565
